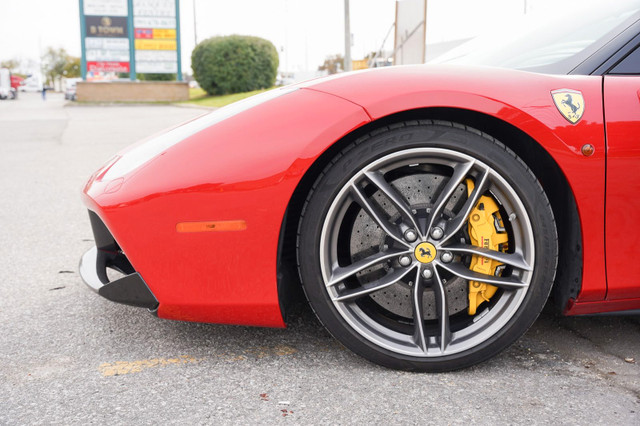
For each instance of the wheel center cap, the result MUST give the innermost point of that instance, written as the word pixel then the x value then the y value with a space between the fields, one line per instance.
pixel 425 252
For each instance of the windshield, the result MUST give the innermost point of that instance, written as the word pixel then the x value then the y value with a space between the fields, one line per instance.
pixel 538 43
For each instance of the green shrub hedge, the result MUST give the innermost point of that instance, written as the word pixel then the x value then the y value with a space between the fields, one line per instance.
pixel 233 64
pixel 156 77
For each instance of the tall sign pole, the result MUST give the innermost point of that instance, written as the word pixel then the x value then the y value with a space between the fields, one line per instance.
pixel 179 50
pixel 347 37
pixel 132 50
pixel 195 28
pixel 83 34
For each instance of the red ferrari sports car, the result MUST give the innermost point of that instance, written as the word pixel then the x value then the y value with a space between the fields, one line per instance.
pixel 428 212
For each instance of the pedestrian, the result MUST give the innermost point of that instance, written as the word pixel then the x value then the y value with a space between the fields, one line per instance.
pixel 44 93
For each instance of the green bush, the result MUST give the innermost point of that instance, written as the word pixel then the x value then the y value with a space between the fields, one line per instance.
pixel 156 77
pixel 234 64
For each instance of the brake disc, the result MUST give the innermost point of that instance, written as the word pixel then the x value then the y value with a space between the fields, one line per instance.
pixel 367 238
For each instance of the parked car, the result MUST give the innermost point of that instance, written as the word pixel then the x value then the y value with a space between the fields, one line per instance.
pixel 70 88
pixel 427 212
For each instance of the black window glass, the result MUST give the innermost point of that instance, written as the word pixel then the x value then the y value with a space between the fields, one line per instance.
pixel 629 65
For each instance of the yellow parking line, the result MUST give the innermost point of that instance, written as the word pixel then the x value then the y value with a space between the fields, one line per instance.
pixel 119 368
pixel 126 367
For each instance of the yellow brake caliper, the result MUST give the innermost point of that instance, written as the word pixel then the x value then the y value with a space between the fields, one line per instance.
pixel 483 233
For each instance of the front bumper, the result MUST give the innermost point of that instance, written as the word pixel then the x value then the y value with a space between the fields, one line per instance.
pixel 129 289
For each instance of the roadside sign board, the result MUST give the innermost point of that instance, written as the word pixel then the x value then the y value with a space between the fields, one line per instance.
pixel 410 36
pixel 106 46
pixel 155 32
pixel 130 36
pixel 106 7
pixel 359 64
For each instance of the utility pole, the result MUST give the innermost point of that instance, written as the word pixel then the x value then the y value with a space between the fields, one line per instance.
pixel 195 31
pixel 347 38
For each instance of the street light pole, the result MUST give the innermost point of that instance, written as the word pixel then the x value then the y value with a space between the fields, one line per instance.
pixel 347 38
pixel 195 31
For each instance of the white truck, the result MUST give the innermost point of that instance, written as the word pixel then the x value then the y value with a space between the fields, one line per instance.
pixel 33 83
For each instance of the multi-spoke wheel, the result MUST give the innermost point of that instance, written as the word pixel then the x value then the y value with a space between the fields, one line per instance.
pixel 427 246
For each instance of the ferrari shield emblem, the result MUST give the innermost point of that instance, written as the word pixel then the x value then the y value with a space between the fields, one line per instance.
pixel 570 103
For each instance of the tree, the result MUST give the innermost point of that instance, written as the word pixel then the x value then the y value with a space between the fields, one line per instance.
pixel 57 63
pixel 332 64
pixel 53 63
pixel 234 64
pixel 11 64
pixel 72 67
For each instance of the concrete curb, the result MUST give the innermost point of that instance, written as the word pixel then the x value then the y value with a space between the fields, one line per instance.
pixel 75 104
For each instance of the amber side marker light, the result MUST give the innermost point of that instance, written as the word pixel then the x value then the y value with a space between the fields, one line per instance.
pixel 208 226
pixel 588 150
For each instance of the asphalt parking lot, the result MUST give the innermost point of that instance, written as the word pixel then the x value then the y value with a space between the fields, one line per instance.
pixel 69 357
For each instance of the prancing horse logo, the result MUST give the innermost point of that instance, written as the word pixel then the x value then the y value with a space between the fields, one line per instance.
pixel 570 104
pixel 568 101
pixel 425 252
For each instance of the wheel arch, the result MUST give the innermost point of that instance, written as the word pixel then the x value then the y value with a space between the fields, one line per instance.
pixel 568 279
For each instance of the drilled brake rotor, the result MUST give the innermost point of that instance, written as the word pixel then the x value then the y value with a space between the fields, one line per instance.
pixel 420 190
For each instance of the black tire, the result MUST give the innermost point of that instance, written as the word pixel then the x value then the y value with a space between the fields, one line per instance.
pixel 332 215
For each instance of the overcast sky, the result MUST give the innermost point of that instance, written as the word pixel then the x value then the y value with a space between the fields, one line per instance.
pixel 304 31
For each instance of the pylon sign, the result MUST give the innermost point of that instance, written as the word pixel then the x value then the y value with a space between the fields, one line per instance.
pixel 411 27
pixel 130 36
pixel 155 26
pixel 105 39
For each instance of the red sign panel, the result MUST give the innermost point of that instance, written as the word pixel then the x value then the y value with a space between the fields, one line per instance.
pixel 144 32
pixel 108 66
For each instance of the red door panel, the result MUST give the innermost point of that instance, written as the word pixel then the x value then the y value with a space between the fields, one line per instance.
pixel 622 115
